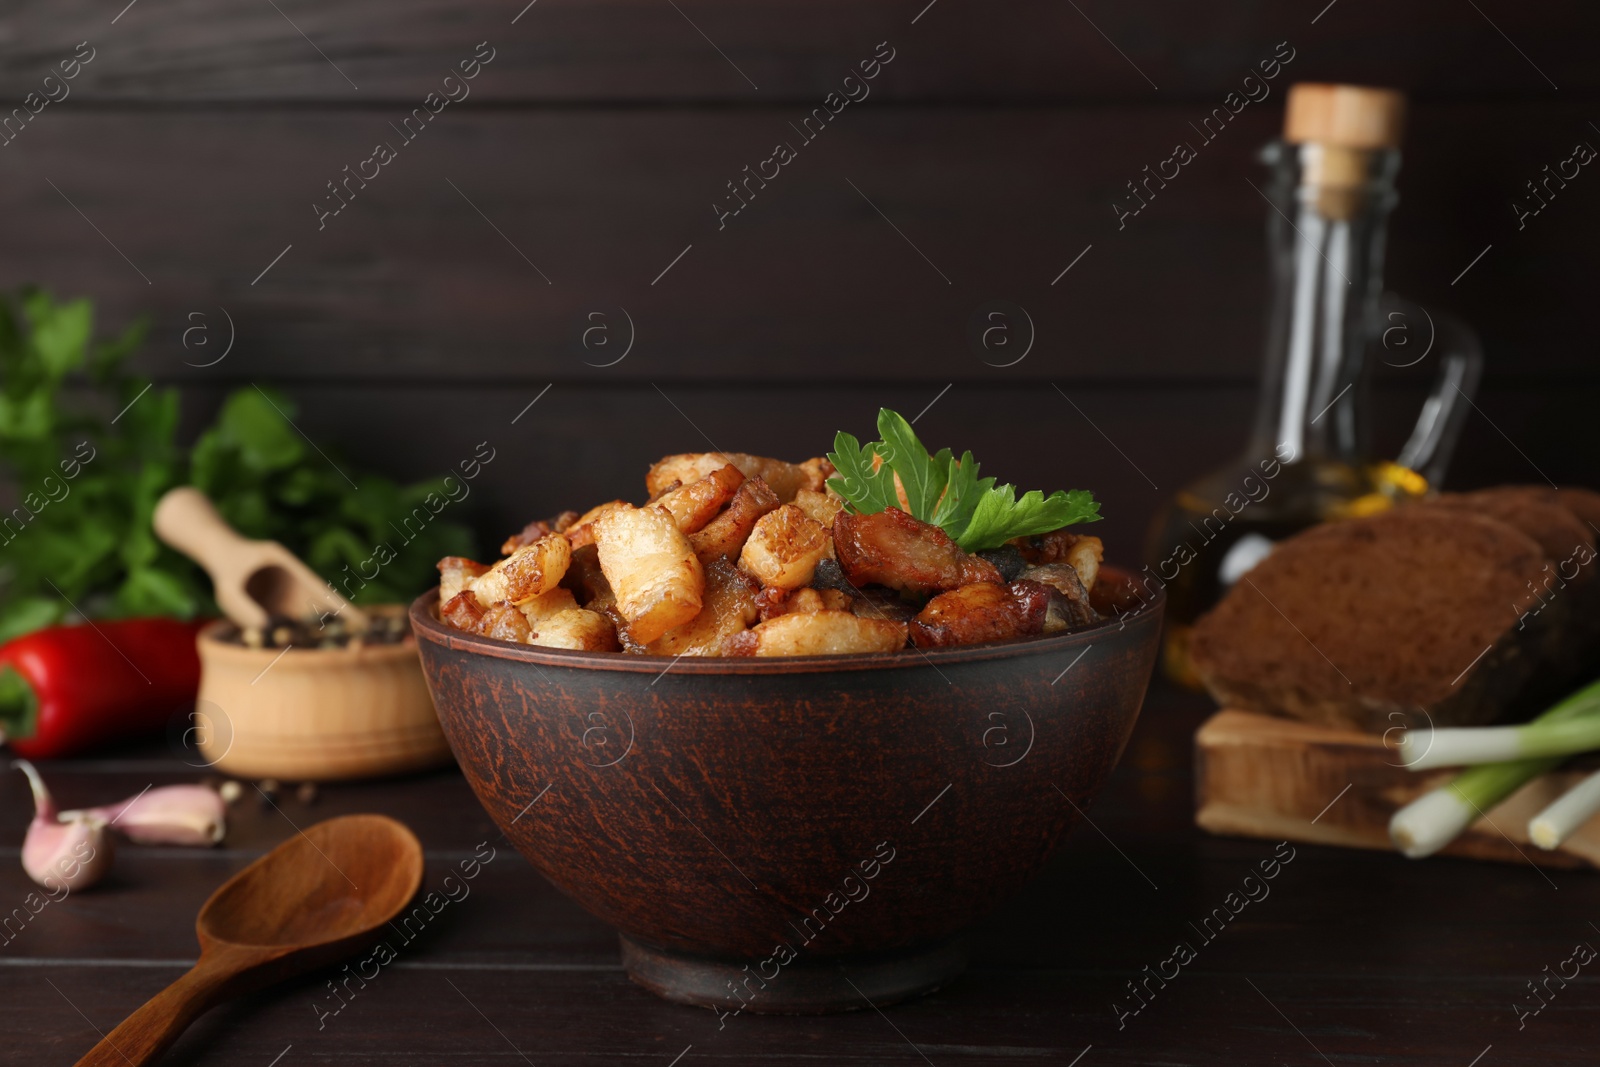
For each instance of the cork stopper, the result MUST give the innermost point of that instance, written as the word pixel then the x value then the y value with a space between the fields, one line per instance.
pixel 1340 130
pixel 1344 116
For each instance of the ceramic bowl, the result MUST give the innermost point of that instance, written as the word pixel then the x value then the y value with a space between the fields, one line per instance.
pixel 797 834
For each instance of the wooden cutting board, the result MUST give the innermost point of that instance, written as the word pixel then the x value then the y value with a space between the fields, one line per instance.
pixel 1259 776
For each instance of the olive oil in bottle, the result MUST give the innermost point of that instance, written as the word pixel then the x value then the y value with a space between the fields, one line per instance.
pixel 1332 187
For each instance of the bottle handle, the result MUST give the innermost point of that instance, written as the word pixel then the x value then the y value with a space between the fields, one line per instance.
pixel 1409 333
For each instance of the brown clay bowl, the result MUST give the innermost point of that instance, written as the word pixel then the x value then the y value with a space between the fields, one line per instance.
pixel 800 834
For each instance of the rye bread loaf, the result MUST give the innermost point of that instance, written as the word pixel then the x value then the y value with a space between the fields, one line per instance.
pixel 1584 503
pixel 1566 597
pixel 1400 618
pixel 1538 511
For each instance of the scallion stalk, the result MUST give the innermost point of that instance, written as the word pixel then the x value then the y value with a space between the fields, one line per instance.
pixel 1556 823
pixel 1437 818
pixel 1568 728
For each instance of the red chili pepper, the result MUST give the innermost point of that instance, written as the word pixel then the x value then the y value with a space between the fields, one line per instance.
pixel 68 688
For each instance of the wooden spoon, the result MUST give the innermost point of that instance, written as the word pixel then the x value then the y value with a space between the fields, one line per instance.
pixel 254 580
pixel 313 900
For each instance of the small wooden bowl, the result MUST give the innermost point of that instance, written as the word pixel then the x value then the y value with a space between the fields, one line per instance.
pixel 316 714
pixel 761 830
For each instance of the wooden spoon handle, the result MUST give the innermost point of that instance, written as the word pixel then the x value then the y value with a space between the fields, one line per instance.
pixel 186 519
pixel 148 1032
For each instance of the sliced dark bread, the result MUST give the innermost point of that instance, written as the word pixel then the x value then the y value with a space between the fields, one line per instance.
pixel 1584 503
pixel 1372 623
pixel 1538 511
pixel 1565 599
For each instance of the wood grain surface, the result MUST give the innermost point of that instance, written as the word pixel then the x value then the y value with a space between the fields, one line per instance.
pixel 1370 957
pixel 1269 777
pixel 570 198
pixel 413 326
pixel 484 248
pixel 639 50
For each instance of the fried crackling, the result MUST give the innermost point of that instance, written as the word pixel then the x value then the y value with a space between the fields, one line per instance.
pixel 982 611
pixel 552 620
pixel 817 633
pixel 786 479
pixel 1084 553
pixel 657 580
pixel 773 601
pixel 580 531
pixel 725 535
pixel 542 607
pixel 586 580
pixel 823 507
pixel 818 470
pixel 462 612
pixel 500 621
pixel 455 574
pixel 577 628
pixel 871 602
pixel 619 626
pixel 536 529
pixel 504 622
pixel 784 547
pixel 1069 599
pixel 526 573
pixel 729 607
pixel 696 503
pixel 891 548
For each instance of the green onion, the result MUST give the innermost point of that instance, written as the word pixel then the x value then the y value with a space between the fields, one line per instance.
pixel 1566 729
pixel 1556 823
pixel 1437 818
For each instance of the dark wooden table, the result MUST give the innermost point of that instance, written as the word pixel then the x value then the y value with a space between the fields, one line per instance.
pixel 1352 957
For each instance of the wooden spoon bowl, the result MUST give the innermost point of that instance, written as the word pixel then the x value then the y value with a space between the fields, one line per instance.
pixel 310 902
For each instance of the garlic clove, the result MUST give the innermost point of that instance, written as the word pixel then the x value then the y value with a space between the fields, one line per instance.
pixel 170 815
pixel 62 855
pixel 44 805
pixel 67 856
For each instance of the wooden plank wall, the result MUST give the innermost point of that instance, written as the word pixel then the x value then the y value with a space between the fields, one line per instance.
pixel 572 185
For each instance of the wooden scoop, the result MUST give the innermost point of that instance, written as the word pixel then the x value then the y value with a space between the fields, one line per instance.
pixel 254 580
pixel 313 900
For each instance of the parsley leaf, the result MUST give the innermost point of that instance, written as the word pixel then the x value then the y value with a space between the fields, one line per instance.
pixel 898 472
pixel 999 517
pixel 862 481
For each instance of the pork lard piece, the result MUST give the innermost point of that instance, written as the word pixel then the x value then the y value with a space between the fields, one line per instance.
pixel 784 548
pixel 657 581
pixel 536 529
pixel 891 548
pixel 786 479
pixel 1069 600
pixel 696 503
pixel 981 612
pixel 725 535
pixel 817 633
pixel 1061 546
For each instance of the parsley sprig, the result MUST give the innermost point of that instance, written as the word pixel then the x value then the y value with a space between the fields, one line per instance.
pixel 83 540
pixel 941 489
